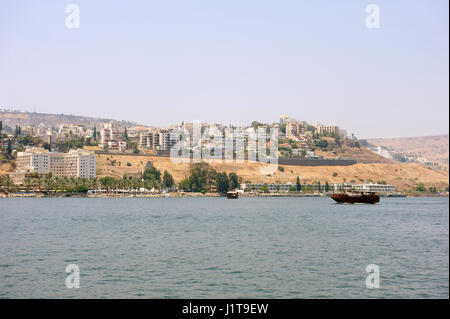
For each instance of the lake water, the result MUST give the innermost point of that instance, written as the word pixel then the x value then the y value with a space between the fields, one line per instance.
pixel 219 248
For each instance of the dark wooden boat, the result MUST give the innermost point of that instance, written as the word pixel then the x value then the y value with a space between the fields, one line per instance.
pixel 232 195
pixel 356 198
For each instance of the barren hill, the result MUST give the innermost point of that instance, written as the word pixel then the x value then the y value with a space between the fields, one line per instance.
pixel 434 148
pixel 403 176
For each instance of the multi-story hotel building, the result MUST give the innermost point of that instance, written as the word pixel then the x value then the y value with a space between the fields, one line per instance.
pixel 75 163
pixel 330 129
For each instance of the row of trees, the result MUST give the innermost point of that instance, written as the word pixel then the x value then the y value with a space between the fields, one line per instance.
pixel 151 178
pixel 153 175
pixel 82 185
pixel 306 188
pixel 204 178
pixel 299 187
pixel 420 188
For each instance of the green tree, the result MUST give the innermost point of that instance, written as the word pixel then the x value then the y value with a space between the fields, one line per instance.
pixel 327 187
pixel 420 187
pixel 311 128
pixel 80 189
pixel 264 189
pixel 198 179
pixel 298 186
pixel 9 148
pixel 234 180
pixel 105 182
pixel 152 174
pixel 322 144
pixel 168 180
pixel 202 176
pixel 337 141
pixel 185 184
pixel 222 183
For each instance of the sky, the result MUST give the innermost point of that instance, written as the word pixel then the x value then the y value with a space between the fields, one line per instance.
pixel 232 62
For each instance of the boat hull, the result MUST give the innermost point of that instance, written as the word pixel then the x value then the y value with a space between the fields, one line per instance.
pixel 232 195
pixel 356 199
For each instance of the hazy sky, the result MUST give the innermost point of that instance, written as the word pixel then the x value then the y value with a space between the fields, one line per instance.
pixel 229 61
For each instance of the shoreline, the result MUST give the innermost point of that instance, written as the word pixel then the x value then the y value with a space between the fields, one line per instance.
pixel 185 194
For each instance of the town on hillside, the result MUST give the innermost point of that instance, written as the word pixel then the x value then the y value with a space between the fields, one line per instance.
pixel 67 152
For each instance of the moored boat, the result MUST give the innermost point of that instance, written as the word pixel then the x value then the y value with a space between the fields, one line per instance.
pixel 232 195
pixel 356 198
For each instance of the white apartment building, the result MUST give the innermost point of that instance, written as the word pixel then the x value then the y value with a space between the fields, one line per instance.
pixel 35 160
pixel 75 163
pixel 112 136
pixel 157 139
pixel 149 139
pixel 330 129
pixel 283 188
pixel 70 130
pixel 272 187
pixel 375 188
pixel 295 129
pixel 166 140
pixel 79 163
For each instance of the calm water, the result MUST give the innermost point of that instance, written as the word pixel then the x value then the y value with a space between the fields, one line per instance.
pixel 219 248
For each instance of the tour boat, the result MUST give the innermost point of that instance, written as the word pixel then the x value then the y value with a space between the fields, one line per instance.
pixel 356 198
pixel 232 195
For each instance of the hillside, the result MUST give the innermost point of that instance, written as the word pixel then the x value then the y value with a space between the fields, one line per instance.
pixel 433 148
pixel 12 118
pixel 346 150
pixel 403 176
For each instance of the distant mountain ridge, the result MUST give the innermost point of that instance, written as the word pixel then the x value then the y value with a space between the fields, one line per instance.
pixel 434 148
pixel 12 118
